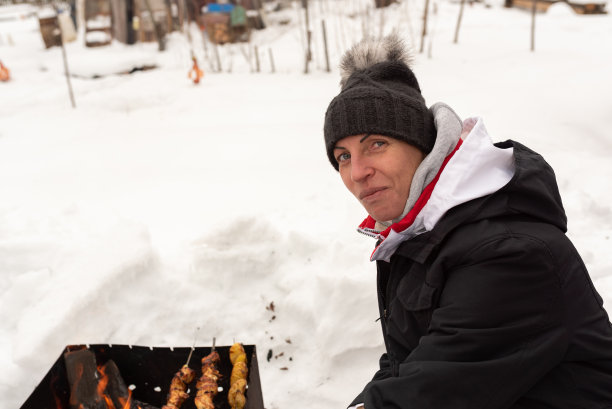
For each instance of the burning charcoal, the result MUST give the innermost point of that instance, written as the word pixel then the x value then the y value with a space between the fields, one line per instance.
pixel 115 388
pixel 82 378
pixel 93 387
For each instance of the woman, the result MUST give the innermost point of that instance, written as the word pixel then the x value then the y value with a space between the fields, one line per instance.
pixel 484 302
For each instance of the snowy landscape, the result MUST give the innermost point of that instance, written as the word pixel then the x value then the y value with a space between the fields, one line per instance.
pixel 158 211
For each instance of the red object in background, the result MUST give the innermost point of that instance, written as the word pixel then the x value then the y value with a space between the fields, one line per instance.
pixel 195 73
pixel 5 74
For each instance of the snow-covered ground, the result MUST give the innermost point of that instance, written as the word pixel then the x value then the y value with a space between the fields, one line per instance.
pixel 158 206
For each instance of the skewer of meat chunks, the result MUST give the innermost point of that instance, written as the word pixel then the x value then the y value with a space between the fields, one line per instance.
pixel 207 385
pixel 238 379
pixel 178 386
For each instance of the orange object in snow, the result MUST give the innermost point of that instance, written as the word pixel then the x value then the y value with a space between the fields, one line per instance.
pixel 195 73
pixel 5 74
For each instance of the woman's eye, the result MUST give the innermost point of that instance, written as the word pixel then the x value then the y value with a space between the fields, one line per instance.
pixel 378 144
pixel 343 157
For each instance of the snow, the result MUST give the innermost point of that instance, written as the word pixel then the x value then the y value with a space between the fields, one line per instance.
pixel 158 206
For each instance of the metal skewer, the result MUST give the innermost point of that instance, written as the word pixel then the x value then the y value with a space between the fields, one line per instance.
pixel 195 337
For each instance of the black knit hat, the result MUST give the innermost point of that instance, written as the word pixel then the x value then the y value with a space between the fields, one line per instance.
pixel 380 95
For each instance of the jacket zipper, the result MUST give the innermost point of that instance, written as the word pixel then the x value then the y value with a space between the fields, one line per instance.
pixel 382 292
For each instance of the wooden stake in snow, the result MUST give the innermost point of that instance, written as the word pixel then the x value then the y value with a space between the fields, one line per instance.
pixel 432 30
pixel 271 60
pixel 308 57
pixel 424 33
pixel 533 17
pixel 459 21
pixel 66 70
pixel 216 50
pixel 308 54
pixel 325 46
pixel 257 67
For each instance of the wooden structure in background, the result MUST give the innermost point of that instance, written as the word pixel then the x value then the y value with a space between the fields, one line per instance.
pixel 49 29
pixel 595 7
pixel 98 23
pixel 145 28
pixel 226 26
pixel 383 3
pixel 131 21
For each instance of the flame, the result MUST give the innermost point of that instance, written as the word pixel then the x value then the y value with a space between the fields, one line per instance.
pixel 125 403
pixel 102 398
pixel 102 388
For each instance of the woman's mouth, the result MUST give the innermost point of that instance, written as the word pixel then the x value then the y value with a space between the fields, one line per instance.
pixel 371 194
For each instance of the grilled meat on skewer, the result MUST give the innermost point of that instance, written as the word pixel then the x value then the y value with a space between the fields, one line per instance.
pixel 178 388
pixel 238 378
pixel 207 385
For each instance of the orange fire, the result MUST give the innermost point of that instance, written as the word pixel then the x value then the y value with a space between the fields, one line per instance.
pixel 125 403
pixel 102 383
pixel 102 388
pixel 101 396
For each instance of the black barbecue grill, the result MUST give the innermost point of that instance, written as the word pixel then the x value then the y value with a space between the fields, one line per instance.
pixel 148 372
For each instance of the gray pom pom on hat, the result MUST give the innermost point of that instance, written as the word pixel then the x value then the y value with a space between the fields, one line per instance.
pixel 379 95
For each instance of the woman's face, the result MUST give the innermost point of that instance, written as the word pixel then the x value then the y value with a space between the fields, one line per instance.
pixel 378 170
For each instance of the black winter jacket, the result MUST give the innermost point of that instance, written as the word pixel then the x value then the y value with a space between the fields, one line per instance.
pixel 493 308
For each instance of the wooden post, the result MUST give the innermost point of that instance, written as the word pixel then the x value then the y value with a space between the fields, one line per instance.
pixel 169 22
pixel 159 33
pixel 257 68
pixel 459 21
pixel 204 41
pixel 533 17
pixel 119 23
pixel 308 37
pixel 307 56
pixel 271 60
pixel 308 32
pixel 424 33
pixel 325 46
pixel 66 70
pixel 216 49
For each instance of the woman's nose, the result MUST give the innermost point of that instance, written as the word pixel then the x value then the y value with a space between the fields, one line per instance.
pixel 361 168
